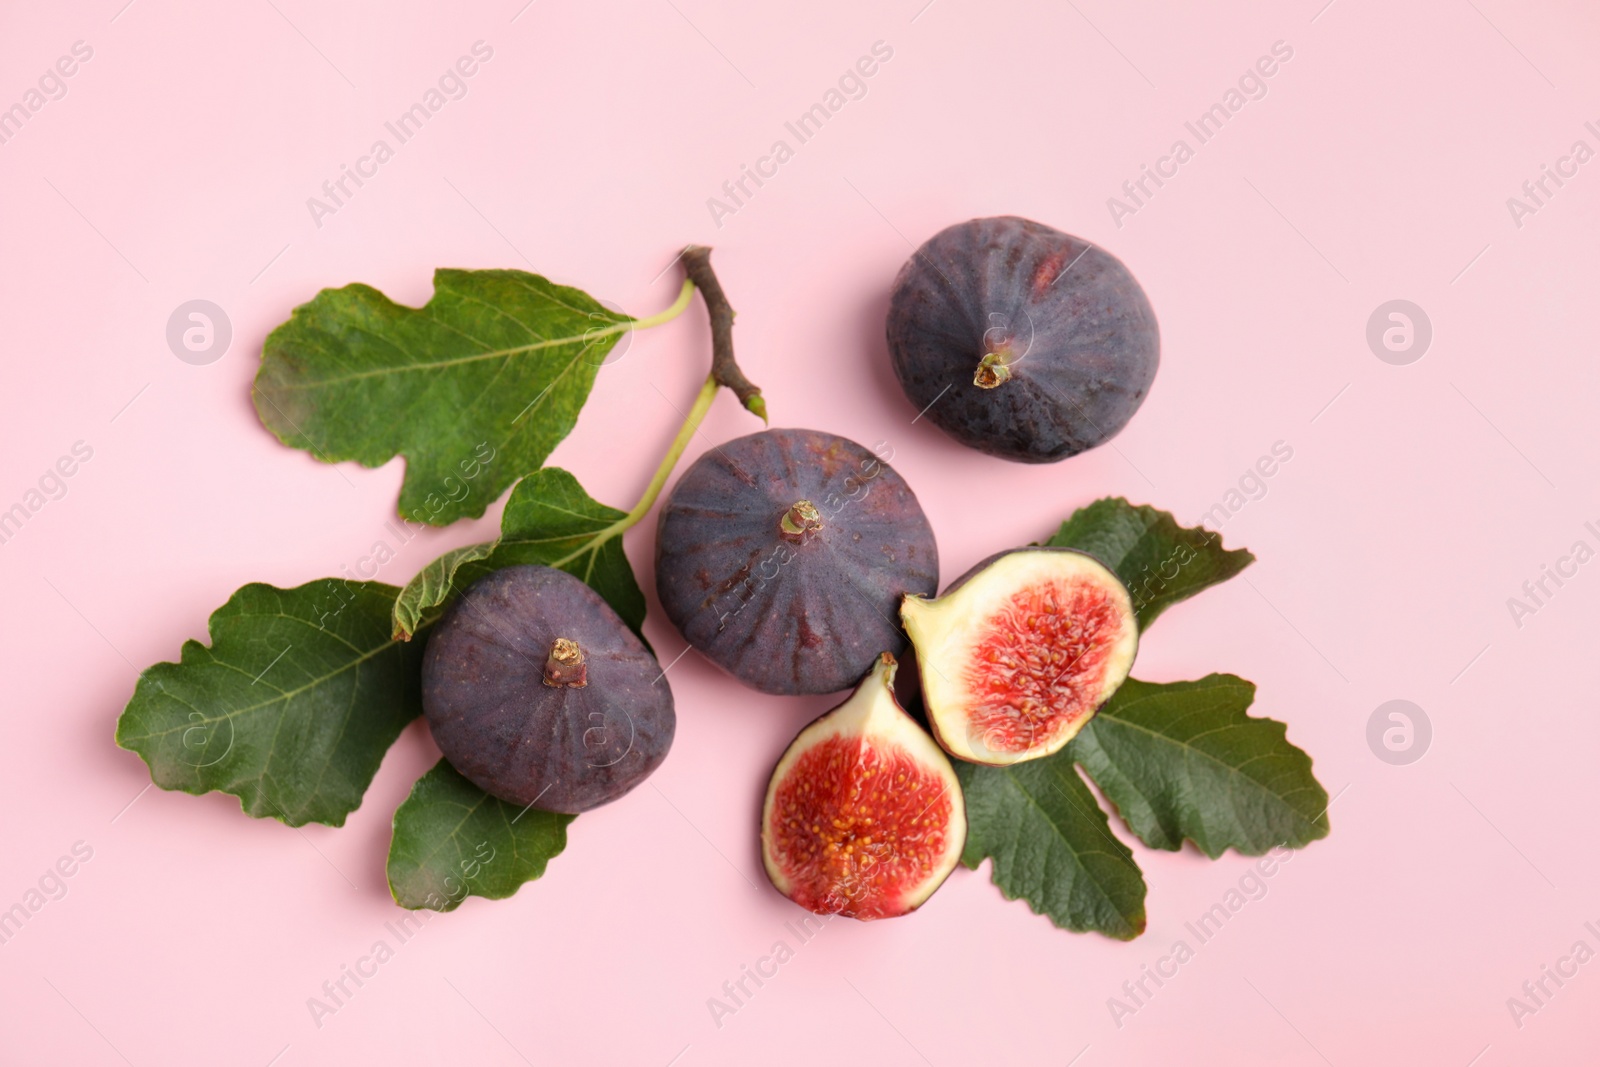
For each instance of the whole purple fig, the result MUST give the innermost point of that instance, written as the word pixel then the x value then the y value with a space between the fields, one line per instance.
pixel 1021 341
pixel 539 694
pixel 782 558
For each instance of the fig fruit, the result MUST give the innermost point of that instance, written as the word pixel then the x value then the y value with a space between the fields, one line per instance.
pixel 539 694
pixel 864 815
pixel 782 557
pixel 1021 341
pixel 1021 651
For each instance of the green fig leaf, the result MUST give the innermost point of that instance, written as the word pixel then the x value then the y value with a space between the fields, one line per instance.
pixel 290 708
pixel 474 388
pixel 433 585
pixel 550 520
pixel 1052 846
pixel 1183 760
pixel 452 840
pixel 1159 561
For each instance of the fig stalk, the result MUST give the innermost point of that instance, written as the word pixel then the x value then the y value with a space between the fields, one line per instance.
pixel 675 309
pixel 724 368
pixel 725 373
pixel 565 669
pixel 801 519
pixel 993 370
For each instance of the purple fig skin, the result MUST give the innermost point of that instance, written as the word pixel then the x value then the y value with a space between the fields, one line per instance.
pixel 786 612
pixel 1075 330
pixel 557 746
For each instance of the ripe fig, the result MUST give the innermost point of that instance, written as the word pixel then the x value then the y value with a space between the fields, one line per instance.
pixel 864 815
pixel 539 694
pixel 1021 341
pixel 782 557
pixel 1021 651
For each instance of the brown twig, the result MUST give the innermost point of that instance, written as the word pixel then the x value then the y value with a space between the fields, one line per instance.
pixel 724 368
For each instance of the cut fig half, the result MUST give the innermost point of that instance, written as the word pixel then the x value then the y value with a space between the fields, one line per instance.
pixel 1021 651
pixel 864 815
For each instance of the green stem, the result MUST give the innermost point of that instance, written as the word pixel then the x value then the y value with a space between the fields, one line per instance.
pixel 685 295
pixel 725 373
pixel 658 481
pixel 691 425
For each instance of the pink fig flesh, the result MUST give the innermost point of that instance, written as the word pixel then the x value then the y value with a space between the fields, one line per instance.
pixel 864 815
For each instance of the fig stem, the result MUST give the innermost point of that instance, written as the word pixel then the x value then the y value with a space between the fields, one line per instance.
pixel 691 426
pixel 724 368
pixel 685 295
pixel 801 519
pixel 725 373
pixel 658 481
pixel 994 370
pixel 565 667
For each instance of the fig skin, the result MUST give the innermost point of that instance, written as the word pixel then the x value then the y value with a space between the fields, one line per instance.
pixel 787 600
pixel 944 651
pixel 847 854
pixel 1071 332
pixel 524 718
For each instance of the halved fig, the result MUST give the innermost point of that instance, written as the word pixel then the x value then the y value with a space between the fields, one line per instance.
pixel 864 815
pixel 1021 651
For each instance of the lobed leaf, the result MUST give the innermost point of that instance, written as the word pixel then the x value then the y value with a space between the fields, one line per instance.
pixel 290 708
pixel 1183 760
pixel 474 388
pixel 432 586
pixel 1180 760
pixel 550 520
pixel 452 840
pixel 1159 561
pixel 1052 846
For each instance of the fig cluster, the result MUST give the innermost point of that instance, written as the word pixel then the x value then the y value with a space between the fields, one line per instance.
pixel 800 562
pixel 864 814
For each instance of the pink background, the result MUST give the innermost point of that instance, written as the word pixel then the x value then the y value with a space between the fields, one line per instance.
pixel 1377 167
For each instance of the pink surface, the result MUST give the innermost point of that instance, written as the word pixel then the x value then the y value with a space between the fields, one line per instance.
pixel 1418 499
